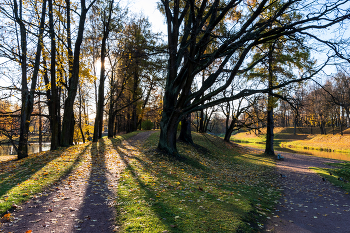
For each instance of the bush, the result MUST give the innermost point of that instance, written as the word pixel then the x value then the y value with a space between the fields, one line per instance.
pixel 147 125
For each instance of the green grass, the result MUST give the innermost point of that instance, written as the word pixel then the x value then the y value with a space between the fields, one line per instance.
pixel 340 170
pixel 20 180
pixel 214 188
pixel 259 142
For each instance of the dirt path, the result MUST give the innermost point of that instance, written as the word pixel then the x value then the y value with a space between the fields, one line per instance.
pixel 84 201
pixel 308 204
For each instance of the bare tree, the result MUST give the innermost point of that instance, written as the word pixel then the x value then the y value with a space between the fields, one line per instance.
pixel 189 39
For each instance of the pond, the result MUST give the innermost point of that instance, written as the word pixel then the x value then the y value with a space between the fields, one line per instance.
pixel 280 147
pixel 318 153
pixel 33 148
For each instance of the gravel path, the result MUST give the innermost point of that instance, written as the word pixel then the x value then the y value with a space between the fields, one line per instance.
pixel 308 204
pixel 84 201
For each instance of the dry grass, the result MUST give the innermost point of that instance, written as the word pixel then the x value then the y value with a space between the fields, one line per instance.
pixel 324 142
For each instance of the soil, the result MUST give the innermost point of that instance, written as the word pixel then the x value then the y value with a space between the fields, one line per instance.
pixel 308 203
pixel 84 201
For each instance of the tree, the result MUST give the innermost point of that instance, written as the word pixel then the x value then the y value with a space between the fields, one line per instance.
pixel 106 24
pixel 189 39
pixel 282 57
pixel 138 68
pixel 74 60
pixel 27 94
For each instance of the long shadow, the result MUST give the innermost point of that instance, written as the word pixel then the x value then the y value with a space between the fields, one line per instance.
pixel 15 172
pixel 166 212
pixel 97 211
pixel 33 208
pixel 149 192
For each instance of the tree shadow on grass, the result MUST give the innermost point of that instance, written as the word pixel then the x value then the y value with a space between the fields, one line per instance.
pixel 149 194
pixel 25 169
pixel 167 209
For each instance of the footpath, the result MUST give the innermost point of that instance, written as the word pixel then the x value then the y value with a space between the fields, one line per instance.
pixel 308 203
pixel 84 201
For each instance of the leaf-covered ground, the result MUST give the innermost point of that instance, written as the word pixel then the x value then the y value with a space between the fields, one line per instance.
pixel 20 180
pixel 215 188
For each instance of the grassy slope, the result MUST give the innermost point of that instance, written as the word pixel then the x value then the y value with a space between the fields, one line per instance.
pixel 284 138
pixel 216 188
pixel 324 143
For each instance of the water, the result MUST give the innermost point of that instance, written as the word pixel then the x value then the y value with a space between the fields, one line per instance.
pixel 323 154
pixel 318 153
pixel 33 148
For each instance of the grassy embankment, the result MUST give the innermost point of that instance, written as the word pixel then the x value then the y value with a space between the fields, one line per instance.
pixel 285 139
pixel 215 188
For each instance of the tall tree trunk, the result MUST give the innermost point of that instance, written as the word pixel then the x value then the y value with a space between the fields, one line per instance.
pixel 201 116
pixel 68 116
pixel 24 125
pixel 229 129
pixel 133 123
pixel 295 125
pixel 27 96
pixel 54 96
pixel 100 103
pixel 80 118
pixel 40 128
pixel 185 132
pixel 270 124
pixel 168 130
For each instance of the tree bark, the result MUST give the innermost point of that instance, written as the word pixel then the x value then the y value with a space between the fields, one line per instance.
pixel 100 103
pixel 167 139
pixel 68 116
pixel 27 96
pixel 54 94
pixel 185 132
pixel 270 124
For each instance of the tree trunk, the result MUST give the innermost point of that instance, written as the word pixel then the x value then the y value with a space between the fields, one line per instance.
pixel 270 124
pixel 295 126
pixel 27 95
pixel 68 116
pixel 229 130
pixel 100 104
pixel 185 132
pixel 54 95
pixel 40 128
pixel 167 139
pixel 168 130
pixel 133 123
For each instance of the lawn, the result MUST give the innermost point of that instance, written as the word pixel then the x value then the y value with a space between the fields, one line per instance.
pixel 216 187
pixel 339 175
pixel 20 180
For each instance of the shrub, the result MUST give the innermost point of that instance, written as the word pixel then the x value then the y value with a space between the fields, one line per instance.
pixel 147 125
